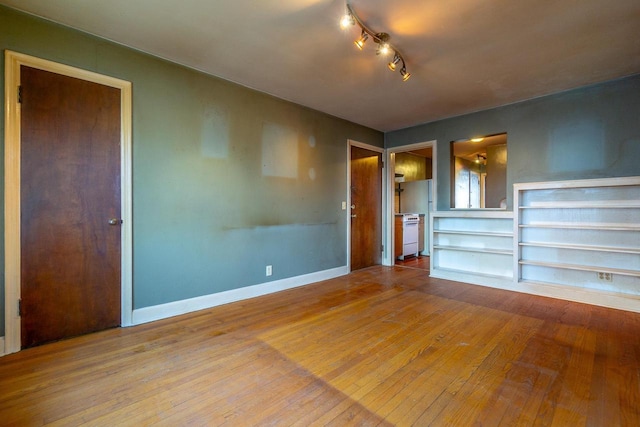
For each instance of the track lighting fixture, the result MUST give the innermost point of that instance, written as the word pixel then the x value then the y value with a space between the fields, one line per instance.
pixel 361 41
pixel 383 44
pixel 404 74
pixel 383 49
pixel 394 62
pixel 346 21
pixel 381 39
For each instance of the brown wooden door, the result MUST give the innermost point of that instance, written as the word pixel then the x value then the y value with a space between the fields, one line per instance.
pixel 366 214
pixel 70 189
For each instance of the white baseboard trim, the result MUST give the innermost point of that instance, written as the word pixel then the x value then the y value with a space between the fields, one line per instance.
pixel 2 353
pixel 618 301
pixel 586 296
pixel 176 308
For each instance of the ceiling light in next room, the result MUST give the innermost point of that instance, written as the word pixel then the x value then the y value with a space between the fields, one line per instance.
pixel 381 39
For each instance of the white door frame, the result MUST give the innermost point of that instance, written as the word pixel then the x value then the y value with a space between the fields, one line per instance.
pixel 352 143
pixel 13 62
pixel 388 258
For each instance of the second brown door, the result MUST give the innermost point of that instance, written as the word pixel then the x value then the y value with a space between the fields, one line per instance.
pixel 366 212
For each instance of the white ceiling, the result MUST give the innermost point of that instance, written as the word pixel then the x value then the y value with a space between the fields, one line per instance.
pixel 464 55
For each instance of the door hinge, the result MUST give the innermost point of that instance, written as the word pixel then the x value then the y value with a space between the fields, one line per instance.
pixel 19 307
pixel 19 94
pixel 381 248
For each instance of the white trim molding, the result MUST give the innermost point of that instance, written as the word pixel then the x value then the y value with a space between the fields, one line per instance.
pixel 176 308
pixel 13 62
pixel 2 352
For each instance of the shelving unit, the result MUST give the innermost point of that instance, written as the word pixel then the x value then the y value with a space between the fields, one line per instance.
pixel 472 246
pixel 582 235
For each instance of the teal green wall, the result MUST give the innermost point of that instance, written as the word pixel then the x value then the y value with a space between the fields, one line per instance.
pixel 592 132
pixel 211 209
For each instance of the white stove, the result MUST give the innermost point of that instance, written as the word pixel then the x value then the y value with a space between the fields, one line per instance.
pixel 410 227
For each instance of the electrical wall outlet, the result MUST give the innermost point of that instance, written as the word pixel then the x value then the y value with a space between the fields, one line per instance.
pixel 269 270
pixel 605 277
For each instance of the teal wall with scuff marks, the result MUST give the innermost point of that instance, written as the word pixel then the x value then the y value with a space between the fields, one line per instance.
pixel 591 132
pixel 225 179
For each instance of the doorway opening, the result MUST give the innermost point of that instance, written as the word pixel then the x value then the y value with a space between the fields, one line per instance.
pixel 411 183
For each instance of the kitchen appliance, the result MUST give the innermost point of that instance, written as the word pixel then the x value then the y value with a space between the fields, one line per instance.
pixel 409 235
pixel 417 196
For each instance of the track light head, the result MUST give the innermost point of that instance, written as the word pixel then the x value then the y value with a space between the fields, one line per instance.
pixel 404 74
pixel 384 48
pixel 362 40
pixel 394 62
pixel 347 21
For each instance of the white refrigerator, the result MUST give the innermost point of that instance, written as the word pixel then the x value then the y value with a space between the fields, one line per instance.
pixel 416 197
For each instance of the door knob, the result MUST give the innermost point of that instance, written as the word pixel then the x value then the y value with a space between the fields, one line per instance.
pixel 115 221
pixel 353 206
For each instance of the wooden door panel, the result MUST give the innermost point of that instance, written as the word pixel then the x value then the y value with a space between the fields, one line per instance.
pixel 366 196
pixel 70 188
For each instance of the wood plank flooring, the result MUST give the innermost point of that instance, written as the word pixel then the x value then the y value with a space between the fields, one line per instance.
pixel 382 346
pixel 421 262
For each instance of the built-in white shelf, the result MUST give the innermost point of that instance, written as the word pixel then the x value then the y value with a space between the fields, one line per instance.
pixel 602 204
pixel 582 234
pixel 453 274
pixel 473 246
pixel 471 249
pixel 584 226
pixel 577 240
pixel 583 247
pixel 582 267
pixel 474 233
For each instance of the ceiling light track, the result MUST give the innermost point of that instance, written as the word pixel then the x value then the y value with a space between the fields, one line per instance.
pixel 381 39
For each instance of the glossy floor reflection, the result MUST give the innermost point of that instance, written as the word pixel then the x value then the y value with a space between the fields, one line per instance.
pixel 420 262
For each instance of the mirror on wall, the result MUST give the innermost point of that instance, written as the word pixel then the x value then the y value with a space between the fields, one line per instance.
pixel 479 173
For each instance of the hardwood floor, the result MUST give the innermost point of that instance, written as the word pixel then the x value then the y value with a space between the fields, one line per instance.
pixel 381 346
pixel 421 262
